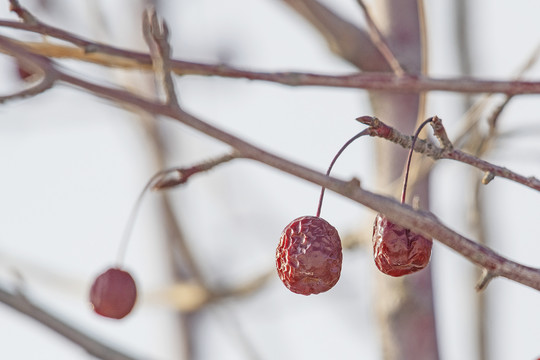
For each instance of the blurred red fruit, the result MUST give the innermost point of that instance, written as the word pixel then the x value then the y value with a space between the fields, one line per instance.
pixel 113 294
pixel 22 72
pixel 399 251
pixel 308 257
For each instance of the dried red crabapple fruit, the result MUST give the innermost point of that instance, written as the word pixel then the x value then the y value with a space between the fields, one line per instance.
pixel 113 293
pixel 309 256
pixel 397 250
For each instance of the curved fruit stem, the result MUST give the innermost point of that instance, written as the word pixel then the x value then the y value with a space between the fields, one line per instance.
pixel 134 212
pixel 415 136
pixel 163 180
pixel 349 142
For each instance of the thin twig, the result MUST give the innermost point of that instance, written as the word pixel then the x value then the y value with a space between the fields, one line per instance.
pixel 166 179
pixel 156 34
pixel 172 177
pixel 94 347
pixel 379 129
pixel 114 57
pixel 440 133
pixel 378 40
pixel 473 115
pixel 44 84
pixel 345 39
pixel 22 13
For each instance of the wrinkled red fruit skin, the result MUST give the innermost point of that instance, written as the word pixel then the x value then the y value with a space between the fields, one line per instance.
pixel 398 251
pixel 308 257
pixel 113 294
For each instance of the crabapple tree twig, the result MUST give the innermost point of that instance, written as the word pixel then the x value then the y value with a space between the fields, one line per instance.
pixel 166 179
pixel 378 40
pixel 114 57
pixel 380 129
pixel 156 35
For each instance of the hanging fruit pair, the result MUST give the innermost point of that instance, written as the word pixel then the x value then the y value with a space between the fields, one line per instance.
pixel 398 251
pixel 309 253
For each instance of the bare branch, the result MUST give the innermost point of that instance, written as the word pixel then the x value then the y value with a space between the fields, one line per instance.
pixel 378 40
pixel 36 65
pixel 115 57
pixel 156 35
pixel 166 179
pixel 21 12
pixel 379 129
pixel 94 347
pixel 169 178
pixel 44 84
pixel 344 38
pixel 440 133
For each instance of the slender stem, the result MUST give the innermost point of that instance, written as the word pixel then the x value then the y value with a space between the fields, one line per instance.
pixel 349 142
pixel 159 181
pixel 409 158
pixel 133 215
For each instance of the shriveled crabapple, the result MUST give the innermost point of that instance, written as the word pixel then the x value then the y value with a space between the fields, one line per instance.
pixel 309 256
pixel 113 294
pixel 398 251
pixel 309 253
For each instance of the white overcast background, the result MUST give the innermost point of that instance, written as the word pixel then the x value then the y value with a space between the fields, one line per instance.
pixel 73 165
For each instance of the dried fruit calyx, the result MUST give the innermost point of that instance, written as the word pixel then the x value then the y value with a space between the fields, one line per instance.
pixel 308 257
pixel 113 293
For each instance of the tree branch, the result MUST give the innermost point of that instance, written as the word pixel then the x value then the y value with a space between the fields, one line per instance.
pixel 378 40
pixel 346 40
pixel 380 129
pixel 94 347
pixel 44 84
pixel 114 57
pixel 156 35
